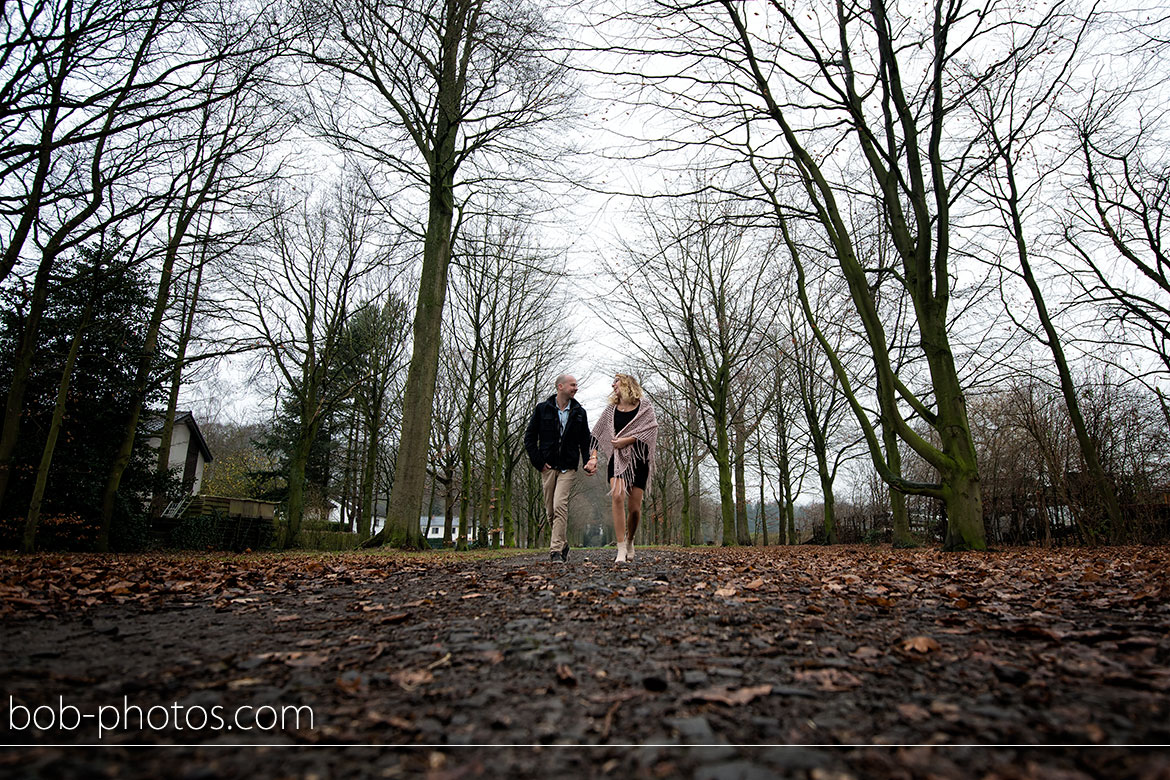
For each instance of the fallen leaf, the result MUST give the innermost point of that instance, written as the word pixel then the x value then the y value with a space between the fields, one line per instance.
pixel 911 711
pixel 828 679
pixel 920 644
pixel 305 660
pixel 723 695
pixel 726 592
pixel 411 679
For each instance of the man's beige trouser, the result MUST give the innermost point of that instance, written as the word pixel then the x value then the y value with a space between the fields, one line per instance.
pixel 557 486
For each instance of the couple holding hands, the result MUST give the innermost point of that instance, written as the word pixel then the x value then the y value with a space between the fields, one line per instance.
pixel 558 438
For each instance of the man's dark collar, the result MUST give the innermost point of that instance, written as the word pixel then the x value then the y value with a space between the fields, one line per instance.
pixel 552 399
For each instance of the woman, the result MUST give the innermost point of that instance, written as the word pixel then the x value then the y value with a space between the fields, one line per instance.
pixel 627 433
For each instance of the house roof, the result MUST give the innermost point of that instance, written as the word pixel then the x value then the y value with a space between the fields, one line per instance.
pixel 188 419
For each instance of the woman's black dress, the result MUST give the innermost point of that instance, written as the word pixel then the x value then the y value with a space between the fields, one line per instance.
pixel 641 465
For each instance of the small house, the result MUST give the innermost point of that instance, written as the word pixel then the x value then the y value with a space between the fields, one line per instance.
pixel 189 452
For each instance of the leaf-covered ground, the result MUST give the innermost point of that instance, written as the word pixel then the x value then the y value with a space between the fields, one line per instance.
pixel 732 649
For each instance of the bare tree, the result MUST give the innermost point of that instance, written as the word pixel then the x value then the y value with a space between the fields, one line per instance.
pixel 701 298
pixel 378 338
pixel 1015 111
pixel 444 96
pixel 87 148
pixel 507 307
pixel 850 100
pixel 293 299
pixel 218 161
pixel 679 440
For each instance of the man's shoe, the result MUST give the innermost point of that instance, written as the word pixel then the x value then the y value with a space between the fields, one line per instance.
pixel 555 557
pixel 565 553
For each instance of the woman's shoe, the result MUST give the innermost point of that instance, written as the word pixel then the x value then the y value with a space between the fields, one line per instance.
pixel 621 553
pixel 630 550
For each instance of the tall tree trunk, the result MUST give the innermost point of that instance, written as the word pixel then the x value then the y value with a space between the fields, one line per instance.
pixel 726 483
pixel 962 494
pixel 487 484
pixel 417 404
pixel 698 535
pixel 465 450
pixel 158 502
pixel 295 510
pixel 142 377
pixel 28 542
pixel 743 535
pixel 820 450
pixel 369 465
pixel 1104 488
pixel 900 518
pixel 448 507
pixel 506 496
pixel 763 506
pixel 786 516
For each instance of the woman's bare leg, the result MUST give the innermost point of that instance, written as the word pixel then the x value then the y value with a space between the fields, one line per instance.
pixel 618 510
pixel 635 516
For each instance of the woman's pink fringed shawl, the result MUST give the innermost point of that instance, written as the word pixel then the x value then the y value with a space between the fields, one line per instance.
pixel 644 429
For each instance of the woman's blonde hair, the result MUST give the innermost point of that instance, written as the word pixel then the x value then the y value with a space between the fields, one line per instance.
pixel 628 388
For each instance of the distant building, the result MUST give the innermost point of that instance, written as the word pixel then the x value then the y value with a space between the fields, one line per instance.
pixel 189 452
pixel 430 527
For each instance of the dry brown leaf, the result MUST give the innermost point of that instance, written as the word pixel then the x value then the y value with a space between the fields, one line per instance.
pixel 411 679
pixel 920 644
pixel 723 695
pixel 914 712
pixel 726 592
pixel 828 679
pixel 397 617
pixel 301 660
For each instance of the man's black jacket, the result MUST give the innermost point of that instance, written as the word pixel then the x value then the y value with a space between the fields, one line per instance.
pixel 546 444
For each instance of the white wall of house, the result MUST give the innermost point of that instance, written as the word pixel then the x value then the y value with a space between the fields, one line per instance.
pixel 181 444
pixel 436 526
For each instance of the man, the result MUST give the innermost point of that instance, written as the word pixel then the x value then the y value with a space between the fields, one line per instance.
pixel 557 440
